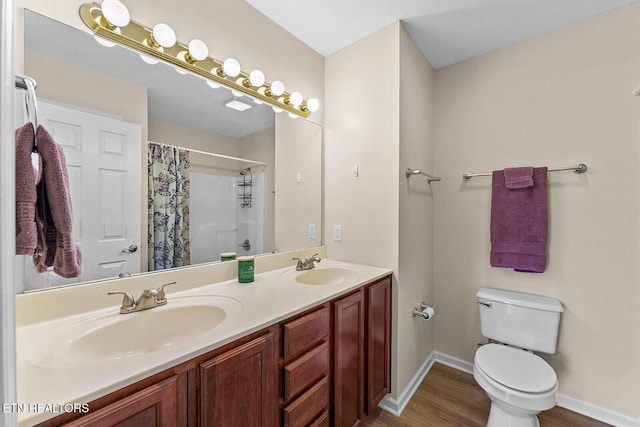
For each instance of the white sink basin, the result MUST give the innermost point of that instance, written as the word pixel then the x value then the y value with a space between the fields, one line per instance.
pixel 114 336
pixel 323 275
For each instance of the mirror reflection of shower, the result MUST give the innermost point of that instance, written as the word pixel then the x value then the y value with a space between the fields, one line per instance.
pixel 227 211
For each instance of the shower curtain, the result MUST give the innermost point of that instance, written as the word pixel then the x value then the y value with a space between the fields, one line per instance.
pixel 168 207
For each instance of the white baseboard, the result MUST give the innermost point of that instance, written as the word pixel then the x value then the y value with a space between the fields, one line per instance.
pixel 396 407
pixel 596 412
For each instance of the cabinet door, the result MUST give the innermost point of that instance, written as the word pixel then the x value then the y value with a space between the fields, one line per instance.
pixel 154 406
pixel 239 387
pixel 378 342
pixel 348 359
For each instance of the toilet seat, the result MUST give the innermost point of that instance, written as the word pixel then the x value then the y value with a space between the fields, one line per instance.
pixel 516 369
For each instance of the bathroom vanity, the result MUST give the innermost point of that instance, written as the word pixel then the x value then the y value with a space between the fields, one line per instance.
pixel 294 349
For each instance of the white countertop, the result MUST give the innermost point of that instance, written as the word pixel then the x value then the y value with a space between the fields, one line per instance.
pixel 47 377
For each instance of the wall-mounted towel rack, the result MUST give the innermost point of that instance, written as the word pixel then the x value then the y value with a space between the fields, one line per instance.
pixel 410 172
pixel 579 168
pixel 31 102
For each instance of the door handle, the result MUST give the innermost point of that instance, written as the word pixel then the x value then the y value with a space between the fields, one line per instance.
pixel 131 249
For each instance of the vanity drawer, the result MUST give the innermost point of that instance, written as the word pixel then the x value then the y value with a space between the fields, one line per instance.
pixel 308 407
pixel 302 333
pixel 306 370
pixel 322 421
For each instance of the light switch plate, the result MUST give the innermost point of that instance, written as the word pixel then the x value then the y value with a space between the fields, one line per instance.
pixel 312 231
pixel 337 232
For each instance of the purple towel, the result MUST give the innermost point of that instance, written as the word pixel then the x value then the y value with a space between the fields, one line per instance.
pixel 56 245
pixel 519 224
pixel 516 178
pixel 26 177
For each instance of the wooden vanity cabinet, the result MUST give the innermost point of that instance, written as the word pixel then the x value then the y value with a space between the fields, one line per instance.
pixel 348 359
pixel 239 386
pixel 153 402
pixel 305 368
pixel 361 352
pixel 327 366
pixel 378 342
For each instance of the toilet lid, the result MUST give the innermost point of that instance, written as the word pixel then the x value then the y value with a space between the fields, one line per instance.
pixel 515 368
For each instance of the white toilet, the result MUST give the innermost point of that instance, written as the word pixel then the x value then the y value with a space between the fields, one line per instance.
pixel 519 383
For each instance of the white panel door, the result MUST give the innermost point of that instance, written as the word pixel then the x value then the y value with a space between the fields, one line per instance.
pixel 103 157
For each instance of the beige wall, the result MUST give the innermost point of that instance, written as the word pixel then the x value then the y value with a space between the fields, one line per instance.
pixel 197 139
pixel 415 265
pixel 378 117
pixel 556 99
pixel 361 128
pixel 298 183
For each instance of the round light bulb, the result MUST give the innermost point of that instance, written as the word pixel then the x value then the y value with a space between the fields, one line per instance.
pixel 256 78
pixel 313 105
pixel 198 50
pixel 277 88
pixel 296 99
pixel 115 13
pixel 231 67
pixel 164 35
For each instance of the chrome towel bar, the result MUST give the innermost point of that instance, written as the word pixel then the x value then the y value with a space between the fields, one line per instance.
pixel 409 172
pixel 579 168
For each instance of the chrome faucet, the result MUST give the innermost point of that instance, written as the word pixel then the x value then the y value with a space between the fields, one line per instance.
pixel 150 298
pixel 307 264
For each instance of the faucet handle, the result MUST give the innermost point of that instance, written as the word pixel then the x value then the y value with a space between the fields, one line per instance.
pixel 300 263
pixel 128 303
pixel 160 296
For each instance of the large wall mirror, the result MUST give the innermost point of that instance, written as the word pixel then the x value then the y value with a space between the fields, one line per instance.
pixel 254 177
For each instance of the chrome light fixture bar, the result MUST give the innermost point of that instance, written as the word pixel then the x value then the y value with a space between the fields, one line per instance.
pixel 227 73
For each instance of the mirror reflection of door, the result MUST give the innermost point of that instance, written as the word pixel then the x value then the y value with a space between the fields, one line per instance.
pixel 103 164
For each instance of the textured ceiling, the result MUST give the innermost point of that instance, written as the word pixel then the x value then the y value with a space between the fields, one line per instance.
pixel 447 31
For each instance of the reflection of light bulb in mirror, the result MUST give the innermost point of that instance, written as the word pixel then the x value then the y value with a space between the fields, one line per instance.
pixel 211 83
pixel 237 93
pixel 115 13
pixel 149 60
pixel 277 110
pixel 104 42
pixel 277 88
pixel 313 105
pixel 293 116
pixel 181 71
pixel 231 67
pixel 256 78
pixel 295 99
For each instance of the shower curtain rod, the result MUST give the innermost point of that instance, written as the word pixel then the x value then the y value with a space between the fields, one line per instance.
pixel 579 168
pixel 207 153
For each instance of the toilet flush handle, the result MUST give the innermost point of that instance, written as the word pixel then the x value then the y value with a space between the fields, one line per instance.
pixel 485 303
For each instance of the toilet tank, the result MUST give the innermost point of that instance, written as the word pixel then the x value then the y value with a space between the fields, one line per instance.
pixel 523 320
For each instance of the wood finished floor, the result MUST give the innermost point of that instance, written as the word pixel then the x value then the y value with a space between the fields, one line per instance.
pixel 448 397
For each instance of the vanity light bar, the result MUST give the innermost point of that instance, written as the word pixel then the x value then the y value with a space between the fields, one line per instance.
pixel 134 34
